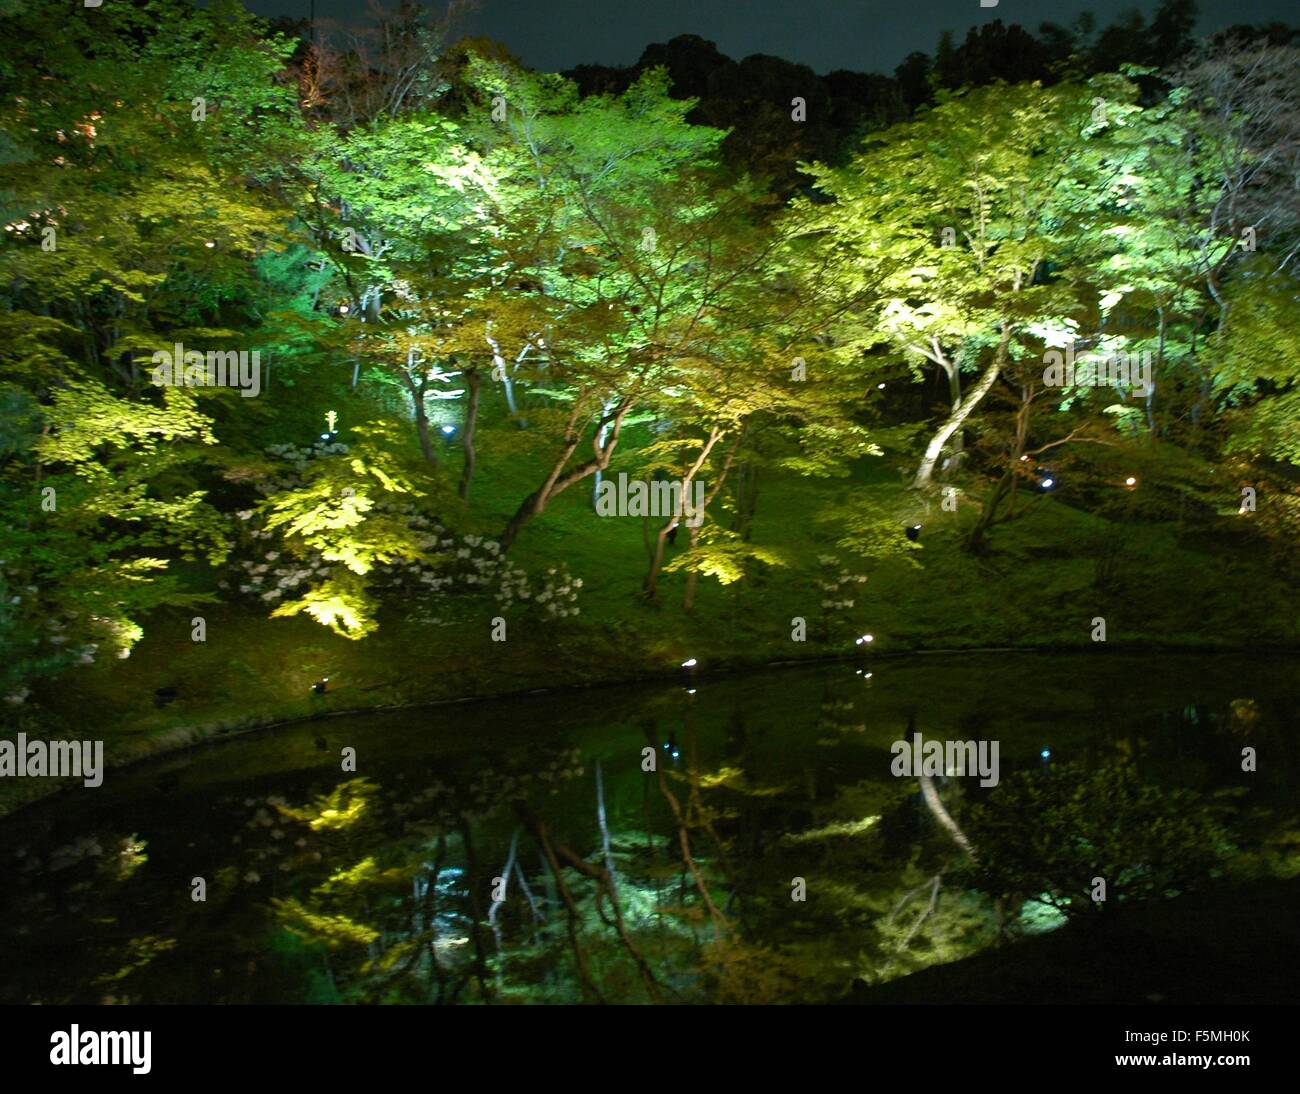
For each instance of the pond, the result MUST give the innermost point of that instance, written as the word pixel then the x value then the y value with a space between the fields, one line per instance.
pixel 712 839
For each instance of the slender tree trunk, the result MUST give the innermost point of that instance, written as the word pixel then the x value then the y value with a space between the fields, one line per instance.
pixel 536 502
pixel 604 827
pixel 507 381
pixel 935 805
pixel 954 391
pixel 1007 483
pixel 574 915
pixel 422 428
pixel 508 385
pixel 1160 364
pixel 471 421
pixel 959 414
pixel 746 501
pixel 506 871
pixel 600 442
pixel 720 924
pixel 421 416
pixel 976 540
pixel 530 507
pixel 473 881
pixel 651 585
pixel 560 480
pixel 692 575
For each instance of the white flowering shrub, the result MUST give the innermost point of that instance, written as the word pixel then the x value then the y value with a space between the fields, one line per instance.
pixel 838 587
pixel 427 565
pixel 39 641
pixel 554 596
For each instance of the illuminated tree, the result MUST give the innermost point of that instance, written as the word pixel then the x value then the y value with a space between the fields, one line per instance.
pixel 94 507
pixel 347 512
pixel 618 230
pixel 954 240
pixel 128 228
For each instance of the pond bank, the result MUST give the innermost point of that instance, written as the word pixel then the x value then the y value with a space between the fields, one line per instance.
pixel 180 735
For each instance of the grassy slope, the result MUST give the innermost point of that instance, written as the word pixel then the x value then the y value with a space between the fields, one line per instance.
pixel 1035 589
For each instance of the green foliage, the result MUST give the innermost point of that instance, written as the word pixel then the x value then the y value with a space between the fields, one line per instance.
pixel 348 511
pixel 1046 835
pixel 91 523
pixel 397 231
pixel 725 556
pixel 1010 207
pixel 1257 373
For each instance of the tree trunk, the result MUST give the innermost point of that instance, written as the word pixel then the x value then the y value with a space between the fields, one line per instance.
pixel 1006 486
pixel 421 417
pixel 601 434
pixel 651 584
pixel 954 391
pixel 507 381
pixel 1160 364
pixel 935 806
pixel 508 384
pixel 692 575
pixel 975 541
pixel 530 507
pixel 471 420
pixel 422 428
pixel 959 414
pixel 560 480
pixel 746 501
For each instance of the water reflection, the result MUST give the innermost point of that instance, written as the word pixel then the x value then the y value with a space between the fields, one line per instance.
pixel 744 842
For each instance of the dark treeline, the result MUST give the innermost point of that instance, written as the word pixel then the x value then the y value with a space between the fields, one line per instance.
pixel 844 105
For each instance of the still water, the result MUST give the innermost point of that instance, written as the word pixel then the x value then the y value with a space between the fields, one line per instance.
pixel 520 851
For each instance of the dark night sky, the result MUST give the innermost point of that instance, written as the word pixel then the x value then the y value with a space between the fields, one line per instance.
pixel 866 35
